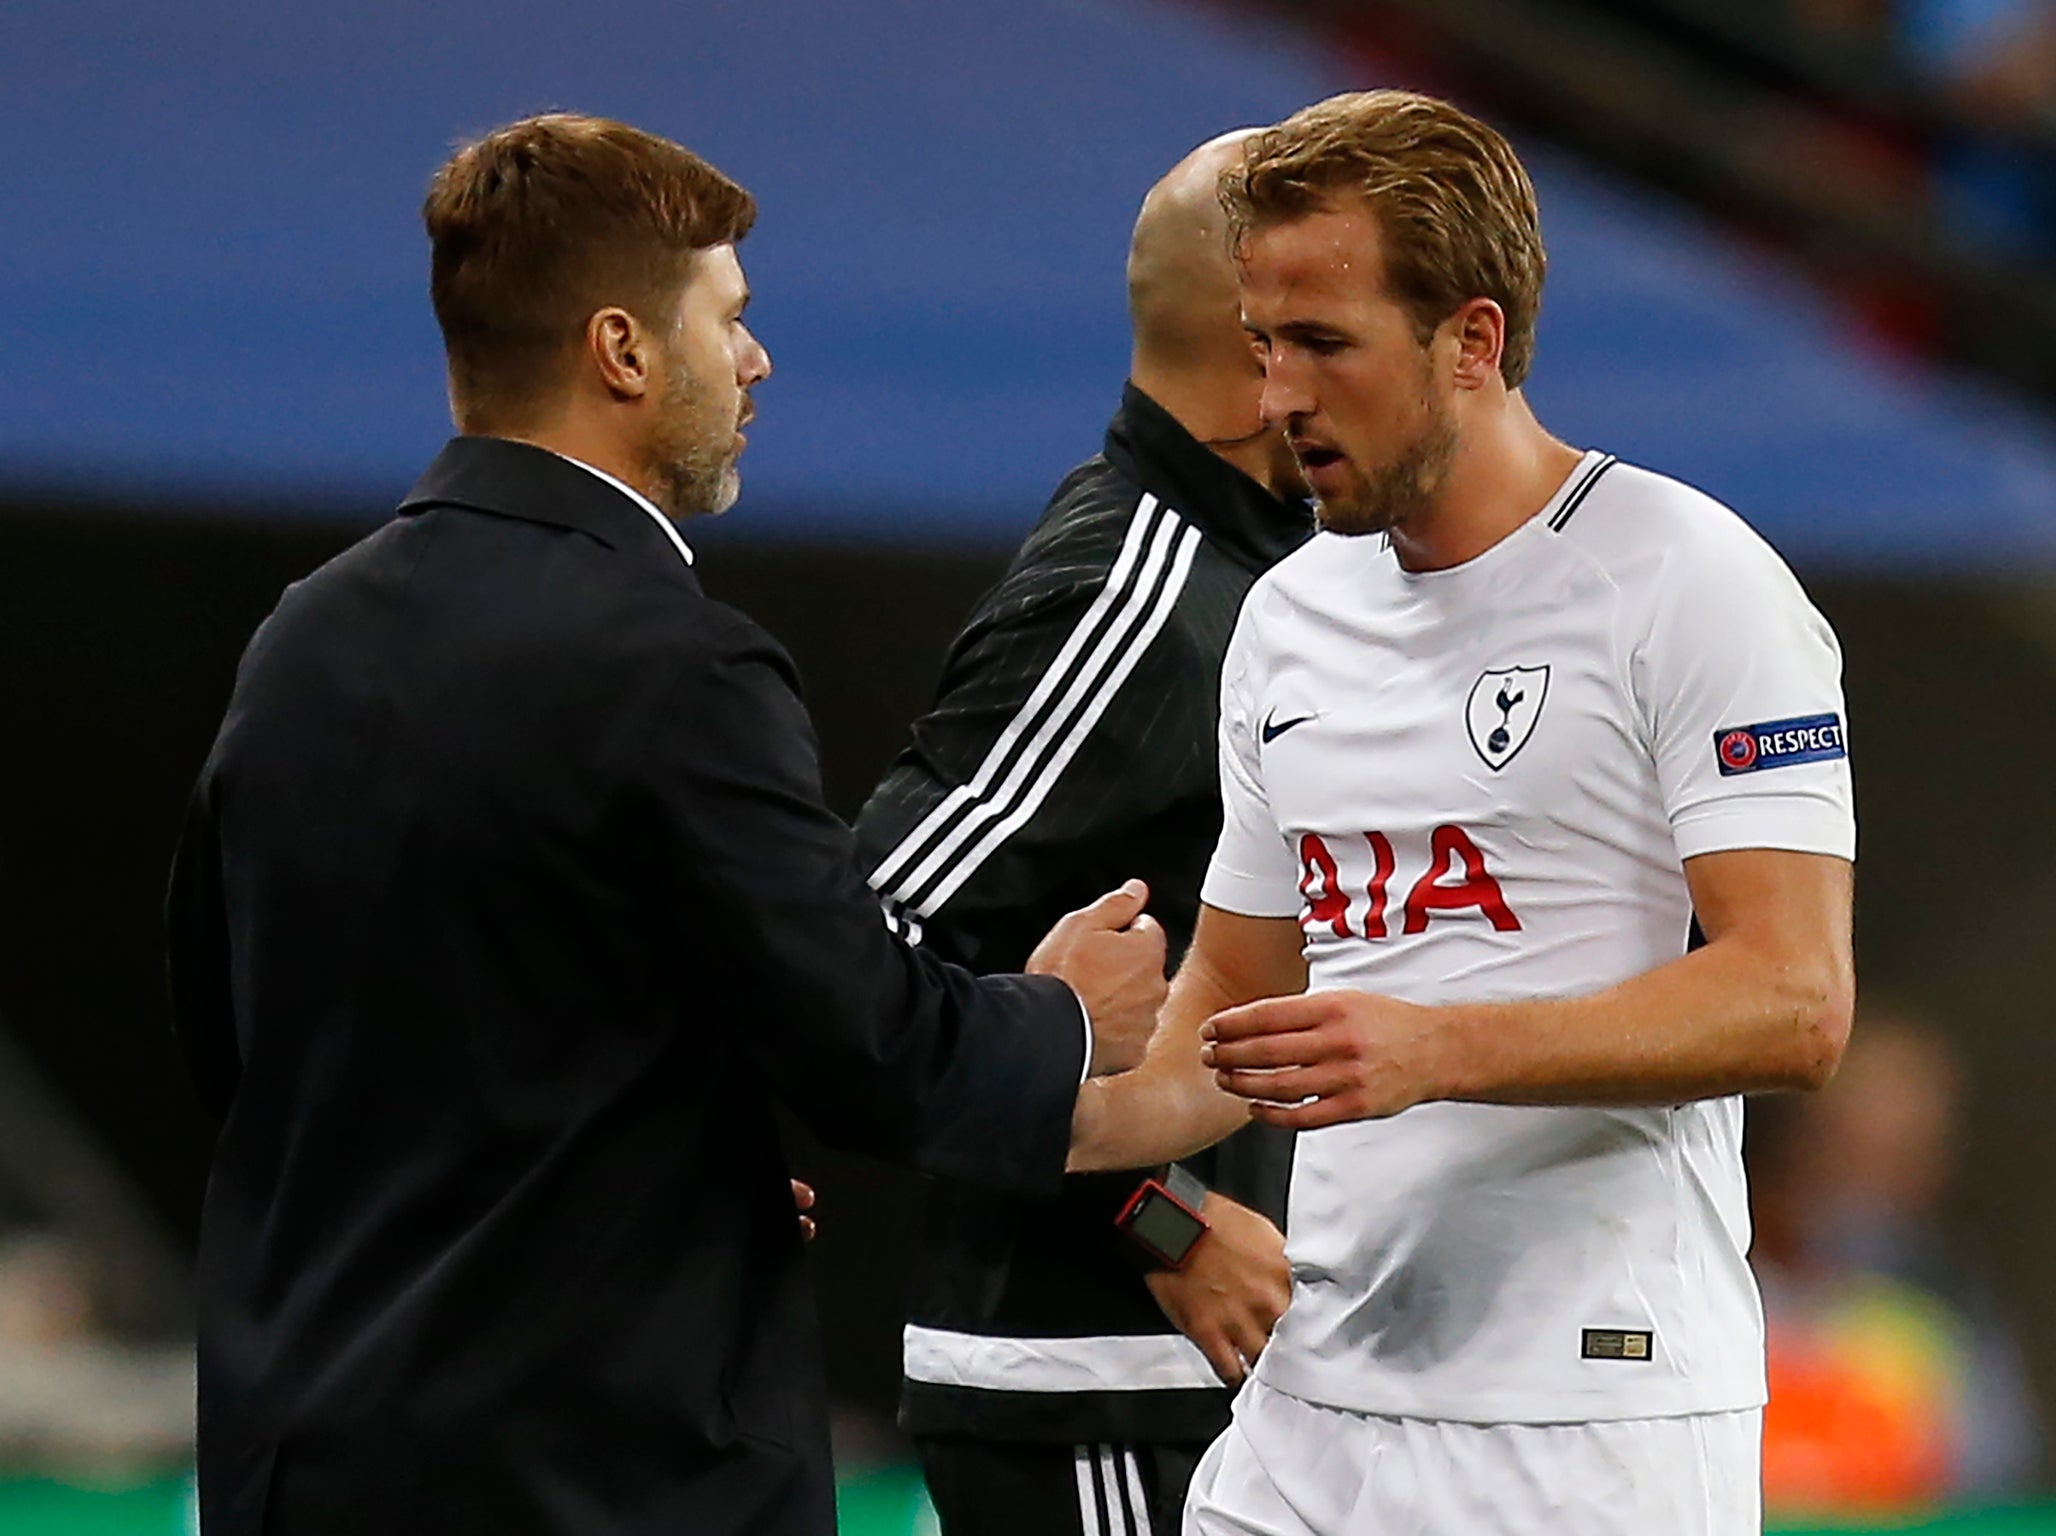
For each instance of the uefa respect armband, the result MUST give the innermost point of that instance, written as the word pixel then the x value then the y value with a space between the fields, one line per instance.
pixel 1779 744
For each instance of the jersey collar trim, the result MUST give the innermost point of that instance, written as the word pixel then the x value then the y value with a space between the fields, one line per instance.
pixel 1563 506
pixel 1555 513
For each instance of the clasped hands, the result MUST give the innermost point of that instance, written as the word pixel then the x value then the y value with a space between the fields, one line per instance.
pixel 1321 1058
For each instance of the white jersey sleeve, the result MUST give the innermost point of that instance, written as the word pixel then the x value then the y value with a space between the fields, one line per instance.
pixel 1739 683
pixel 1254 872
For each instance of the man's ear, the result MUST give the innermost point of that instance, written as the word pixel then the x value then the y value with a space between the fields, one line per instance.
pixel 1479 328
pixel 621 352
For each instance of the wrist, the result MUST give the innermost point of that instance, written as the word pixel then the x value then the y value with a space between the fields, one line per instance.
pixel 1088 1122
pixel 1460 1043
pixel 1090 1067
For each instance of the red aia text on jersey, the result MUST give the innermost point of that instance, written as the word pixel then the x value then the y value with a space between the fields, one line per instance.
pixel 1455 880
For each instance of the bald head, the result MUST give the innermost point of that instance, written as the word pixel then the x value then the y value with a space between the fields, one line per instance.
pixel 1192 356
pixel 1181 282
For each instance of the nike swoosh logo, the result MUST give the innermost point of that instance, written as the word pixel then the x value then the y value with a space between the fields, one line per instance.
pixel 1271 732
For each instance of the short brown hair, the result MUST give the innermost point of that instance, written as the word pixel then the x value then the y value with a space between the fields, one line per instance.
pixel 1454 204
pixel 539 224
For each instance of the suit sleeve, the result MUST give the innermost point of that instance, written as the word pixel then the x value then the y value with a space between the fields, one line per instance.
pixel 875 1045
pixel 196 931
pixel 1067 718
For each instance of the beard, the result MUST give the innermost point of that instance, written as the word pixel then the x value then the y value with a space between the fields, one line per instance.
pixel 693 453
pixel 1398 492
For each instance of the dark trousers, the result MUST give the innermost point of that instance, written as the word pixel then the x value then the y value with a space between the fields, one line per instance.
pixel 996 1488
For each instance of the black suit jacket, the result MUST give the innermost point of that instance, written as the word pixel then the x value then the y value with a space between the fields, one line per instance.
pixel 506 908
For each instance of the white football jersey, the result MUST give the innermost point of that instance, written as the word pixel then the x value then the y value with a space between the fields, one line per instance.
pixel 1481 784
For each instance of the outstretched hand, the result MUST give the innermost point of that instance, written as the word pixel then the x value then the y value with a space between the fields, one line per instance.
pixel 1325 1057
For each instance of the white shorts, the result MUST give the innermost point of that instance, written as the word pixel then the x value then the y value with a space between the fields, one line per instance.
pixel 1287 1467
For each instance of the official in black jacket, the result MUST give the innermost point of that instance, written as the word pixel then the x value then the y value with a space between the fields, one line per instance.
pixel 1073 734
pixel 507 907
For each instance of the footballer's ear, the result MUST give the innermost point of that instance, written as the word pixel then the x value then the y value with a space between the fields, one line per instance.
pixel 1479 330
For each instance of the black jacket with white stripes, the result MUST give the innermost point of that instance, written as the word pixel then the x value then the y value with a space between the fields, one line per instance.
pixel 1072 745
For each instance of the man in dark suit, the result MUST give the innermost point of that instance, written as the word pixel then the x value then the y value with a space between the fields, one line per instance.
pixel 508 906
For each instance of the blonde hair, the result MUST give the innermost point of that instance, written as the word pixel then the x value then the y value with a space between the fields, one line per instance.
pixel 1453 202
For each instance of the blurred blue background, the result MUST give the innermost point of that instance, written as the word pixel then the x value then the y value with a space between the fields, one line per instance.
pixel 214 284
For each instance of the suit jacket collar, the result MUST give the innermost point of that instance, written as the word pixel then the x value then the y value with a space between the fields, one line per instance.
pixel 1249 524
pixel 499 476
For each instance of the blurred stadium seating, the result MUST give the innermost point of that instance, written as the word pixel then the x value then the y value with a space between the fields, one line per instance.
pixel 947 191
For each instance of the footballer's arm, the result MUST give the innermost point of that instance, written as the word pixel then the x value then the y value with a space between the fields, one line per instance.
pixel 1764 1004
pixel 1170 1106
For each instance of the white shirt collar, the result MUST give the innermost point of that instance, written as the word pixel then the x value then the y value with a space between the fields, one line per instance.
pixel 670 528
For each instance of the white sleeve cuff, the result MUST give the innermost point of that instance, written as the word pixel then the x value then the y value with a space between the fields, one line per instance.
pixel 1085 1069
pixel 1230 890
pixel 1797 823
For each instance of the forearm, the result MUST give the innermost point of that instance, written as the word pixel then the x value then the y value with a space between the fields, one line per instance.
pixel 1765 1004
pixel 1737 1016
pixel 1169 1107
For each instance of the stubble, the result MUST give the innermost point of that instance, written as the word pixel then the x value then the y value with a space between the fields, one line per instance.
pixel 1401 491
pixel 692 457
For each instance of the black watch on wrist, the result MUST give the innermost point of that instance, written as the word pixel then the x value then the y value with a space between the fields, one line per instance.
pixel 1162 1217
